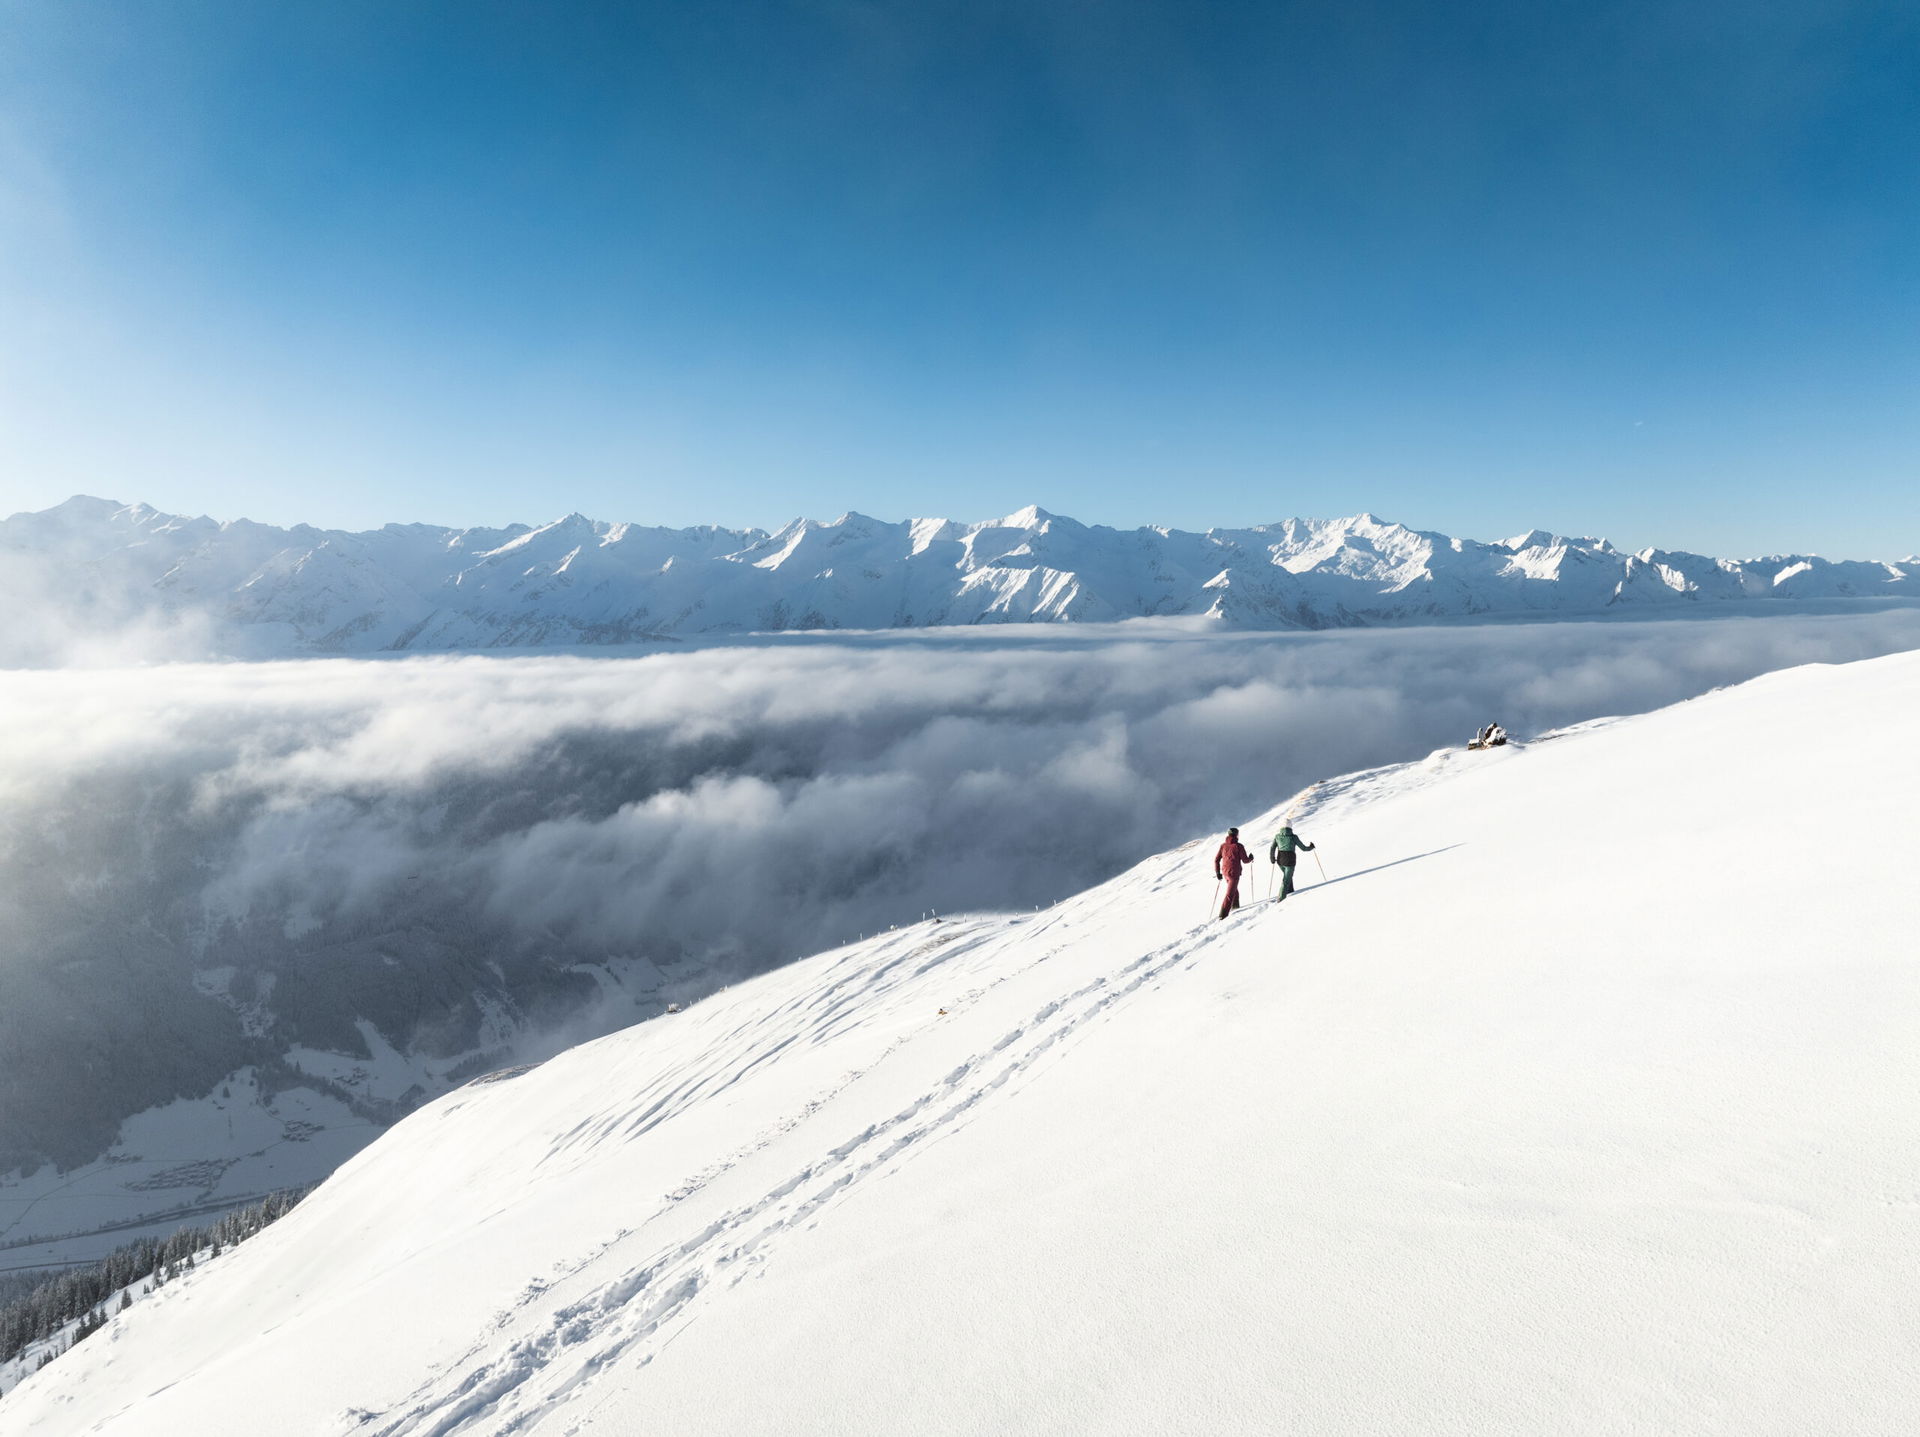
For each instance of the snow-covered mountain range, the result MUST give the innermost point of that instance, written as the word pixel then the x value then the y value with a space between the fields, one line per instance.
pixel 93 567
pixel 1486 1130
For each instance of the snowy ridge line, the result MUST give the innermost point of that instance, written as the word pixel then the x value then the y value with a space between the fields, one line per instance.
pixel 598 1329
pixel 1332 798
pixel 1328 798
pixel 93 569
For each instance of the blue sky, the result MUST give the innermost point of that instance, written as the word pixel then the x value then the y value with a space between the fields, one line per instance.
pixel 1650 271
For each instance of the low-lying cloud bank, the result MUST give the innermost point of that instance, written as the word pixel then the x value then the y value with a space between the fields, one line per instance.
pixel 377 838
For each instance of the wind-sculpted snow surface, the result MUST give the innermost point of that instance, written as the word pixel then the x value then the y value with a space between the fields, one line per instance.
pixel 93 578
pixel 257 912
pixel 1551 1109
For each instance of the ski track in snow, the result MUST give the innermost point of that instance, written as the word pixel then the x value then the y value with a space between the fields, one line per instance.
pixel 635 1315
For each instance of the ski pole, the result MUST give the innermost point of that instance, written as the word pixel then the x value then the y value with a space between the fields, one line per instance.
pixel 1214 907
pixel 1319 865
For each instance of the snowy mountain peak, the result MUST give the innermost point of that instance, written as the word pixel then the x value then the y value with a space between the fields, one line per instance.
pixel 1532 539
pixel 87 506
pixel 928 532
pixel 1031 517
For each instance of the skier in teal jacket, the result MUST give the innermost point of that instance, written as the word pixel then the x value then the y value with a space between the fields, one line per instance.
pixel 1286 844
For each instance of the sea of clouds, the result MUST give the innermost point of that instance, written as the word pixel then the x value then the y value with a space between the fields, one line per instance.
pixel 421 840
pixel 741 805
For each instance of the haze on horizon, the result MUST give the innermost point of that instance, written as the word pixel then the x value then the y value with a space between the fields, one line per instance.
pixel 1652 274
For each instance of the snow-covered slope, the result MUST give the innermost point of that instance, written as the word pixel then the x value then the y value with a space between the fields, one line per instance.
pixel 1580 1099
pixel 91 569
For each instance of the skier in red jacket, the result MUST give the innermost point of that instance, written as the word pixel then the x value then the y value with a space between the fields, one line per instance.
pixel 1226 864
